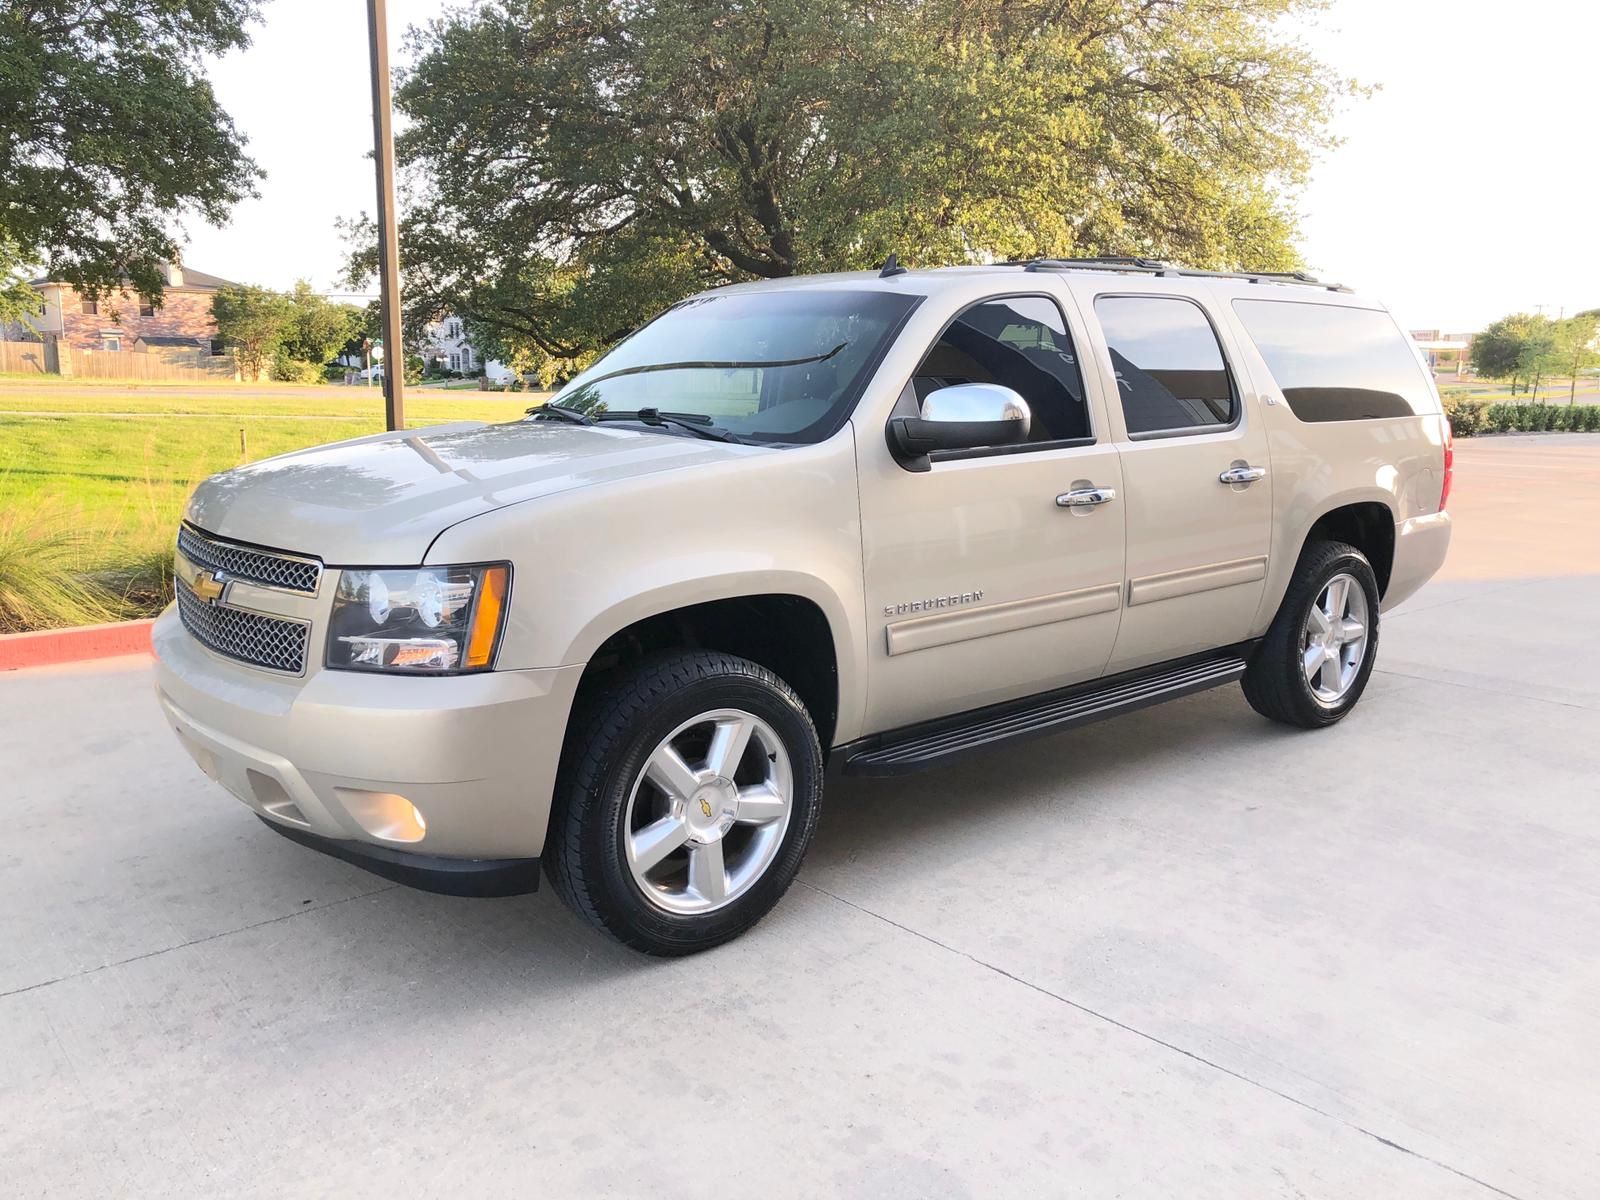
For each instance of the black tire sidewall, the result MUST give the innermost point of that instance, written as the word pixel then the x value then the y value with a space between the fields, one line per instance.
pixel 618 898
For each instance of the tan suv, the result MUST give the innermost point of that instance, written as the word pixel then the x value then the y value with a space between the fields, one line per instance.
pixel 858 523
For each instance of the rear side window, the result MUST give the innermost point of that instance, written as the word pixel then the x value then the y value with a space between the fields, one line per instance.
pixel 1170 371
pixel 1337 364
pixel 1022 343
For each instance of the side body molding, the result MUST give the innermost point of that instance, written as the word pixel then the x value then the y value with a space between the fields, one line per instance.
pixel 1190 580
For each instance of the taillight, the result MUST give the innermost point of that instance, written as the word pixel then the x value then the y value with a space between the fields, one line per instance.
pixel 1449 463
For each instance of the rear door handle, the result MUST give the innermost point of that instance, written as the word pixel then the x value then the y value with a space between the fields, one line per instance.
pixel 1086 497
pixel 1242 474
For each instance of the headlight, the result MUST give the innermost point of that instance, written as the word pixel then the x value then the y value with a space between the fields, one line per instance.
pixel 431 620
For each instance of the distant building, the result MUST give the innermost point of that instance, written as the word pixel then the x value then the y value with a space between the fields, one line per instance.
pixel 1447 353
pixel 444 348
pixel 127 321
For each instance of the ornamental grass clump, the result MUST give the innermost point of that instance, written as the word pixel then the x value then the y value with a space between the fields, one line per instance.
pixel 40 584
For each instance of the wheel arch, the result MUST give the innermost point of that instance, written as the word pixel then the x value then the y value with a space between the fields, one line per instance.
pixel 780 623
pixel 1363 517
pixel 1368 525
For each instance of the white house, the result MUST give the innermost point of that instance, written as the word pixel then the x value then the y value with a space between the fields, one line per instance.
pixel 444 347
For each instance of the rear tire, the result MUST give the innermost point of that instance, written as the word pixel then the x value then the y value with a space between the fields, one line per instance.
pixel 1314 663
pixel 687 797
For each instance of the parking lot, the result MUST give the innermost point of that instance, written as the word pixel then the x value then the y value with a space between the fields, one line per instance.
pixel 1183 953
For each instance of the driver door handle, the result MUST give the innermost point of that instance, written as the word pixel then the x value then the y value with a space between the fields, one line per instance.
pixel 1086 497
pixel 1241 474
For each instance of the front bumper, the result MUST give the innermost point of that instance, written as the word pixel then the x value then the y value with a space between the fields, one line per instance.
pixel 426 872
pixel 394 773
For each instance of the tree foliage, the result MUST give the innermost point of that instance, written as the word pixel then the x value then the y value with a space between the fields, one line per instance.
pixel 253 321
pixel 1525 348
pixel 110 134
pixel 317 329
pixel 1497 351
pixel 571 168
pixel 19 302
pixel 1578 345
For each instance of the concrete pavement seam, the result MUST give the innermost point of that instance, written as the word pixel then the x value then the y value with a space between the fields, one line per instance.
pixel 210 937
pixel 1473 687
pixel 1150 1037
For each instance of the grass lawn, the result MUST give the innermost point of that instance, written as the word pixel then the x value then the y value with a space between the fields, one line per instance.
pixel 111 465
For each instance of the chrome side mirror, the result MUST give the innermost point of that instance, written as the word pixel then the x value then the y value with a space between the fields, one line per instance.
pixel 965 416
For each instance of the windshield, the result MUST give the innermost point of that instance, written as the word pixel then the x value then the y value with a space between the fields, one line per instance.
pixel 783 366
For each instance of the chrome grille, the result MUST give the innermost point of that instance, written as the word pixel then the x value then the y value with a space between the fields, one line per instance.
pixel 250 637
pixel 291 573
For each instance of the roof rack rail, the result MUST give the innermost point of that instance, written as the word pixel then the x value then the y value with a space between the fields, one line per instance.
pixel 1152 266
pixel 1110 262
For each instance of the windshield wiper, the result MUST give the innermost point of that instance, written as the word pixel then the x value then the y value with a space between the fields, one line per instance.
pixel 561 412
pixel 712 365
pixel 696 423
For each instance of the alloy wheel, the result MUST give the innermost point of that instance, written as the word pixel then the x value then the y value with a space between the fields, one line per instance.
pixel 708 812
pixel 1334 640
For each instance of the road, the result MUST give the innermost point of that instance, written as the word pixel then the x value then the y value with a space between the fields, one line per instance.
pixel 1181 954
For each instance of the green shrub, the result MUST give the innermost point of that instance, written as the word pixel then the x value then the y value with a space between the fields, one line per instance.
pixel 1529 418
pixel 290 370
pixel 1467 417
pixel 39 584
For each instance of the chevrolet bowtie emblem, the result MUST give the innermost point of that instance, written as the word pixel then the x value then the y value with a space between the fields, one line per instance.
pixel 705 806
pixel 208 587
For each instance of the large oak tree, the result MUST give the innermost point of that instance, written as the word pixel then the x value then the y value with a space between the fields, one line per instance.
pixel 571 167
pixel 110 135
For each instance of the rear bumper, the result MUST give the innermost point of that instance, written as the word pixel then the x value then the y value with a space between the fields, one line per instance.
pixel 405 771
pixel 426 872
pixel 1420 545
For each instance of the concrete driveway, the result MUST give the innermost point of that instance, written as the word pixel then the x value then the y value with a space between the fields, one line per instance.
pixel 1181 954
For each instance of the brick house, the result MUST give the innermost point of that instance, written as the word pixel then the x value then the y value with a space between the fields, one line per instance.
pixel 128 322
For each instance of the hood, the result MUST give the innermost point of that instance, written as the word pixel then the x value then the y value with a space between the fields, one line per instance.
pixel 381 500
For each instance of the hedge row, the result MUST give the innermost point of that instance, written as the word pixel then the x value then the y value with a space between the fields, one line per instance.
pixel 1468 417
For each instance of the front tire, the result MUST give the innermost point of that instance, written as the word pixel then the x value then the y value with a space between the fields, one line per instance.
pixel 1314 663
pixel 687 797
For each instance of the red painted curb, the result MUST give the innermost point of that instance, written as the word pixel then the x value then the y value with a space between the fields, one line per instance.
pixel 47 647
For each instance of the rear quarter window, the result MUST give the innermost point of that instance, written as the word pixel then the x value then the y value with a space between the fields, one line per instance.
pixel 1337 364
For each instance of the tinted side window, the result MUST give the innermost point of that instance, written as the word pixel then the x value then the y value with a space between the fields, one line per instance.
pixel 1334 363
pixel 1170 369
pixel 1022 343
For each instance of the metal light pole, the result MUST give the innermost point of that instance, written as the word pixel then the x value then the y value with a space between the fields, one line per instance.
pixel 394 365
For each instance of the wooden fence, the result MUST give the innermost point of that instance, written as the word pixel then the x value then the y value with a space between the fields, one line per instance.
pixel 167 365
pixel 26 358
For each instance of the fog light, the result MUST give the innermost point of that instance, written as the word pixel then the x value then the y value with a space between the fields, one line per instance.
pixel 384 814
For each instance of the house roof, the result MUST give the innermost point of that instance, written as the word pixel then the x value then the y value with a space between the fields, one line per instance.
pixel 193 281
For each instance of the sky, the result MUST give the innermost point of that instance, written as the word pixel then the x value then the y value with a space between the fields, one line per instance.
pixel 1467 187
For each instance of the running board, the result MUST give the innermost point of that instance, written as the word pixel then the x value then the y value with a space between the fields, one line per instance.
pixel 933 742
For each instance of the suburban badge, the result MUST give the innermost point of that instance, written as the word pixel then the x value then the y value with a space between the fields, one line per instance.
pixel 954 600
